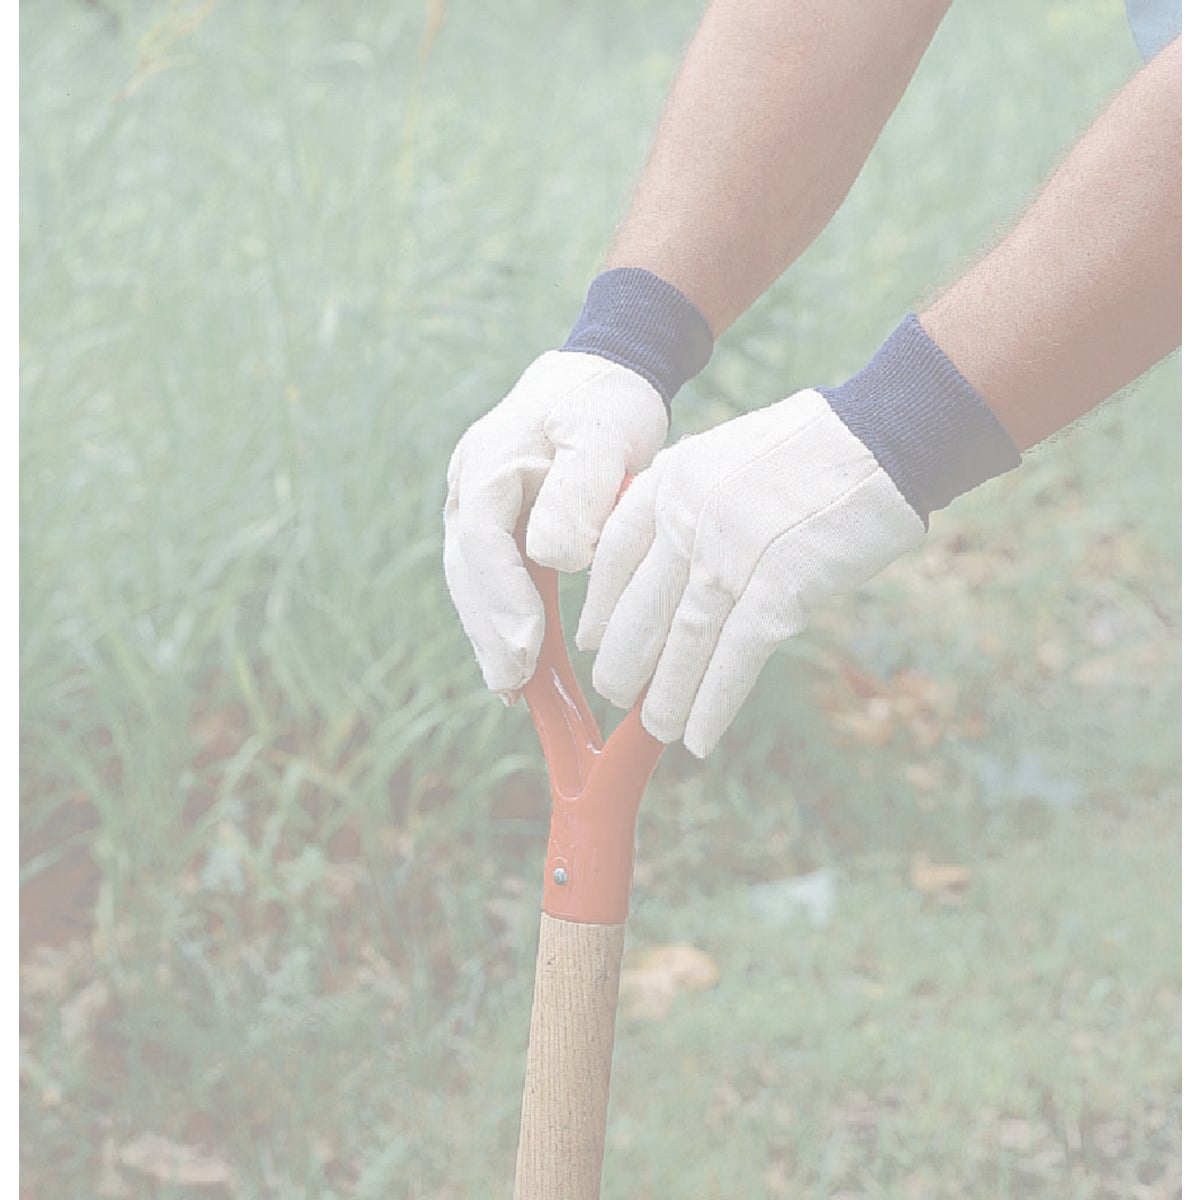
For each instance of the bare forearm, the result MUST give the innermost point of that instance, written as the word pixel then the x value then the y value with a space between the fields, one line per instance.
pixel 1085 293
pixel 775 108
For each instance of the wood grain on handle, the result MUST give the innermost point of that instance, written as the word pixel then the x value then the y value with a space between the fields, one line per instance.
pixel 565 1109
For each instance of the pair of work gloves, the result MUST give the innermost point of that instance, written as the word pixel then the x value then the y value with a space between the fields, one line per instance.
pixel 724 541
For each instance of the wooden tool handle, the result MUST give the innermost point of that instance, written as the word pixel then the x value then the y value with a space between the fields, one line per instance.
pixel 565 1109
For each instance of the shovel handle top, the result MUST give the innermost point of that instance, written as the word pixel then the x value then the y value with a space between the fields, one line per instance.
pixel 596 786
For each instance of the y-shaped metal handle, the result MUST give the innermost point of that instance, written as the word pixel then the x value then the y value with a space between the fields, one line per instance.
pixel 596 788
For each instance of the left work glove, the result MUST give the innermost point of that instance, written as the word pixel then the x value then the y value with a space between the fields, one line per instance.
pixel 717 551
pixel 558 448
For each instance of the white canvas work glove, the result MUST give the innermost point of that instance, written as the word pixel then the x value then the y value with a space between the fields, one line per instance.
pixel 559 446
pixel 718 551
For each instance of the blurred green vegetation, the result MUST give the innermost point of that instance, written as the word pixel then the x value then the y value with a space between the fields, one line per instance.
pixel 280 850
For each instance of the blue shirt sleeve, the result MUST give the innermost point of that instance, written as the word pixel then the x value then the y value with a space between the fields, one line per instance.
pixel 1155 23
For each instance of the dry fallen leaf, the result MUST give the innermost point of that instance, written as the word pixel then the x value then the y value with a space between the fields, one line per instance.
pixel 165 1161
pixel 653 977
pixel 942 881
pixel 873 710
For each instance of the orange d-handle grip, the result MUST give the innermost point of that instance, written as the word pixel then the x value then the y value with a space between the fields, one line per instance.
pixel 596 786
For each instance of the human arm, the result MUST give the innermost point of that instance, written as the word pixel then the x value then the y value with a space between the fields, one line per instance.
pixel 1085 293
pixel 720 549
pixel 775 108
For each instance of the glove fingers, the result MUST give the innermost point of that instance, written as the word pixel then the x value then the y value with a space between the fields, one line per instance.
pixel 638 626
pixel 575 499
pixel 689 647
pixel 754 630
pixel 573 424
pixel 624 543
pixel 497 602
pixel 598 432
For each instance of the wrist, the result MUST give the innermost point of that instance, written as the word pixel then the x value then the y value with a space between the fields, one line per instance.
pixel 925 424
pixel 633 318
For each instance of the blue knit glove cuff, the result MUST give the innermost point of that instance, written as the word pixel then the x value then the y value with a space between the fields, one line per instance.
pixel 926 425
pixel 634 318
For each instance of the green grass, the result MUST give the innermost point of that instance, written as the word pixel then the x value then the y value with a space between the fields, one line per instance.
pixel 281 851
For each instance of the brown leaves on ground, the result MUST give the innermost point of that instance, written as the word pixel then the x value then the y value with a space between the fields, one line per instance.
pixel 872 710
pixel 946 883
pixel 652 977
pixel 164 1161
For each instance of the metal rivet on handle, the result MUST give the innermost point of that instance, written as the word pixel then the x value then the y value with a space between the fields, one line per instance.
pixel 560 875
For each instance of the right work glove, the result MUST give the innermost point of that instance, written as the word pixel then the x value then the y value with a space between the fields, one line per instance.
pixel 717 552
pixel 559 447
